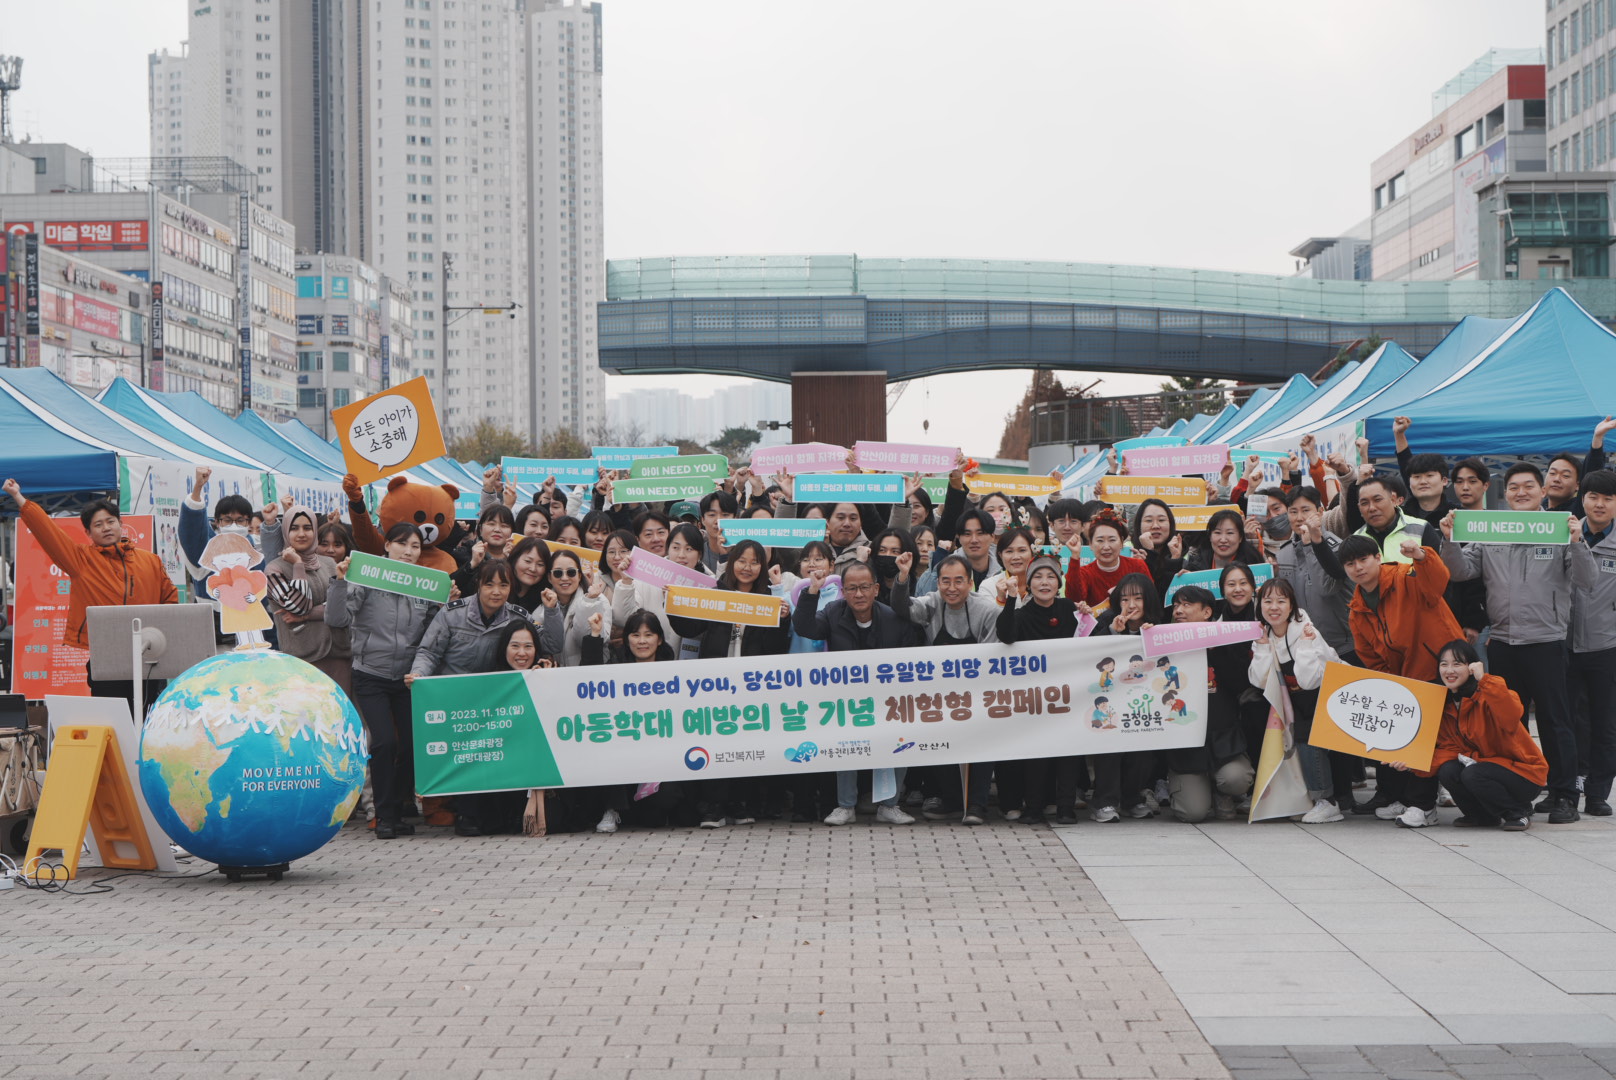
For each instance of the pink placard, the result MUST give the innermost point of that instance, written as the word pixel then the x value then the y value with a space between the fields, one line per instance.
pixel 905 457
pixel 799 458
pixel 654 569
pixel 1176 637
pixel 1176 460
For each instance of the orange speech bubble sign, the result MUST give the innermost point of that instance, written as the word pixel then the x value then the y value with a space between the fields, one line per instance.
pixel 388 432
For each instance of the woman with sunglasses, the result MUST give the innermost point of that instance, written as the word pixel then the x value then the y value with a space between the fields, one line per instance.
pixel 572 597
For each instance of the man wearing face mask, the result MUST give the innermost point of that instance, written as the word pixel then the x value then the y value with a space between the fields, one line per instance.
pixel 232 516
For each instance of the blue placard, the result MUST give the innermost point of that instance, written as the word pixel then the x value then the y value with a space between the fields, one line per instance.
pixel 536 471
pixel 621 457
pixel 773 532
pixel 848 487
pixel 1150 440
pixel 1208 579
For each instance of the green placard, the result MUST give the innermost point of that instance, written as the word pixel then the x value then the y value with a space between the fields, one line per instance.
pixel 684 467
pixel 1511 527
pixel 937 488
pixel 479 733
pixel 645 490
pixel 391 575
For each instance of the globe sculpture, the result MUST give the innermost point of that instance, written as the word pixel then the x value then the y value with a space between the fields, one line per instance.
pixel 251 759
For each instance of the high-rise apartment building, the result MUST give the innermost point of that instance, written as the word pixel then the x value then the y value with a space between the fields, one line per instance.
pixel 452 144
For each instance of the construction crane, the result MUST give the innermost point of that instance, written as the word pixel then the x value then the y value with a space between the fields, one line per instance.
pixel 10 83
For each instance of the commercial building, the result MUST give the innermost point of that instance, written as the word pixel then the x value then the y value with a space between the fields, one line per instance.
pixel 454 145
pixel 1579 58
pixel 1487 121
pixel 354 335
pixel 222 315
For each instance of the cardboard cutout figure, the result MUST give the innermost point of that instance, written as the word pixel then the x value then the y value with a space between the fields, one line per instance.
pixel 237 587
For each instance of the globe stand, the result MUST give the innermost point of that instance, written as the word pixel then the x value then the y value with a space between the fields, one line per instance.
pixel 237 873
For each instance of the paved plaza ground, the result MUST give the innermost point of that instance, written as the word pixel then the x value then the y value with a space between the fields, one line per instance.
pixel 1140 949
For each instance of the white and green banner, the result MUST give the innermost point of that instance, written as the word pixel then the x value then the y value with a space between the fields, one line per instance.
pixel 395 576
pixel 1511 527
pixel 810 712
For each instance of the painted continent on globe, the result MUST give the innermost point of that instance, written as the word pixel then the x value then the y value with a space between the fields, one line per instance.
pixel 252 758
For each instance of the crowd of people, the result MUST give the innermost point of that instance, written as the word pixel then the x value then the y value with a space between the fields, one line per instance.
pixel 1364 570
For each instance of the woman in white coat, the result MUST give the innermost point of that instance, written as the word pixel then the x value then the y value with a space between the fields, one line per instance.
pixel 1292 644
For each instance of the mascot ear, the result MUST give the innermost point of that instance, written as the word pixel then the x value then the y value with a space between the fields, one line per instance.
pixel 397 482
pixel 454 492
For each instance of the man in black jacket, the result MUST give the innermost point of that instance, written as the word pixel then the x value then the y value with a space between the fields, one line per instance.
pixel 855 622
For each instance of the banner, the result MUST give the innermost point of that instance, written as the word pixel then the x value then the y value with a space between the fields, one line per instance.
pixel 40 663
pixel 848 487
pixel 1180 637
pixel 725 606
pixel 634 491
pixel 799 458
pixel 621 457
pixel 772 532
pixel 655 570
pixel 904 457
pixel 1176 460
pixel 1014 485
pixel 535 471
pixel 1208 579
pixel 684 467
pixel 396 576
pixel 588 555
pixel 1145 441
pixel 1196 518
pixel 1374 715
pixel 1511 527
pixel 386 433
pixel 801 712
pixel 1279 790
pixel 1128 490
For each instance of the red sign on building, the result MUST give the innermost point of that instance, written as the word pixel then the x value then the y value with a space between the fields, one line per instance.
pixel 90 235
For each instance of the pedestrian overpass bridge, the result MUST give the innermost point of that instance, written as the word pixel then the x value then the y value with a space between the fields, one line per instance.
pixel 787 318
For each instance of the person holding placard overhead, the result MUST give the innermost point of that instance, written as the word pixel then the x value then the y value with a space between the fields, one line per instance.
pixel 1529 589
pixel 1399 622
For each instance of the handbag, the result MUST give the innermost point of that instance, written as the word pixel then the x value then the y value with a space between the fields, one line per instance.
pixel 22 759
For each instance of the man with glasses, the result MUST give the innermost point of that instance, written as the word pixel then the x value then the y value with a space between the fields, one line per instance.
pixel 232 515
pixel 857 621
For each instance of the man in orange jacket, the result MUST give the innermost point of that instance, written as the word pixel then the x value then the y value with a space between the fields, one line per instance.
pixel 1399 622
pixel 109 570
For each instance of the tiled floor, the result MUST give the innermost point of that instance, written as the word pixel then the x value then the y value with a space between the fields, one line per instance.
pixel 1523 1061
pixel 1361 933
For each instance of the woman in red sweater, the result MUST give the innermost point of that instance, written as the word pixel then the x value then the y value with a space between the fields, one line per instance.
pixel 1091 584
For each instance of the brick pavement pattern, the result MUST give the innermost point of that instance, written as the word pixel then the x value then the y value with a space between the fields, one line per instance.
pixel 766 952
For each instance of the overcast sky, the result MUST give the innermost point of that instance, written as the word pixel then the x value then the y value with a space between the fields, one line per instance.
pixel 1161 132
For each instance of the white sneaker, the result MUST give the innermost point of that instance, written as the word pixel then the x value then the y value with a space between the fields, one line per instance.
pixel 1105 814
pixel 715 823
pixel 1388 813
pixel 1141 811
pixel 842 815
pixel 1443 798
pixel 891 815
pixel 1012 815
pixel 1323 812
pixel 609 822
pixel 1415 818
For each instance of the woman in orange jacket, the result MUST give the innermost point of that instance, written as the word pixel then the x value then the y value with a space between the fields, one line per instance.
pixel 109 570
pixel 1484 756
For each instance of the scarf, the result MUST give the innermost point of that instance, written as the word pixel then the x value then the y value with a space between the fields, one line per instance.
pixel 311 557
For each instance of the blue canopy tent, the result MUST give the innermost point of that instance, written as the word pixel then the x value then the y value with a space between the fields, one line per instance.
pixel 1193 426
pixel 1232 415
pixel 1538 388
pixel 263 444
pixel 1296 392
pixel 85 418
pixel 326 460
pixel 145 410
pixel 44 460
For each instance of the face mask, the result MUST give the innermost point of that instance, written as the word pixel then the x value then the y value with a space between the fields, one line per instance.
pixel 234 530
pixel 885 565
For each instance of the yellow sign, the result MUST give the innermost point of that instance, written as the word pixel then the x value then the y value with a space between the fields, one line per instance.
pixel 1374 715
pixel 86 786
pixel 388 432
pixel 722 605
pixel 1195 518
pixel 1131 490
pixel 589 556
pixel 1014 485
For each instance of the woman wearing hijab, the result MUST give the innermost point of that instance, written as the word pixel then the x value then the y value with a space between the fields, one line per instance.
pixel 299 579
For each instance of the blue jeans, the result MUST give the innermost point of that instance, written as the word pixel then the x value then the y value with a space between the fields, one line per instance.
pixel 847 787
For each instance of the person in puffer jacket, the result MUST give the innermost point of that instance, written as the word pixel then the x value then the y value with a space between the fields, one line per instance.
pixel 1529 590
pixel 386 630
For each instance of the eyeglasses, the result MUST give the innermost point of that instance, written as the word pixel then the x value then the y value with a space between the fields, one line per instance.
pixel 564 572
pixel 858 588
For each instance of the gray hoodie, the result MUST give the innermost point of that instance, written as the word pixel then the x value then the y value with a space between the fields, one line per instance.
pixel 386 628
pixel 1324 597
pixel 980 615
pixel 1593 610
pixel 458 642
pixel 1528 585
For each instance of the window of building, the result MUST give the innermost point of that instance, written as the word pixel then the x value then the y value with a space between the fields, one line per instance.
pixel 1576 152
pixel 310 361
pixel 341 396
pixel 1396 187
pixel 339 360
pixel 311 398
pixel 1576 92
